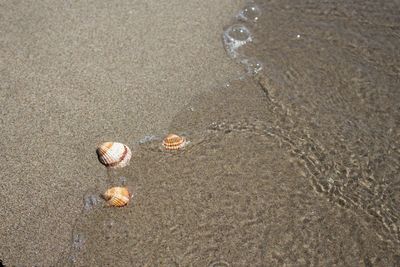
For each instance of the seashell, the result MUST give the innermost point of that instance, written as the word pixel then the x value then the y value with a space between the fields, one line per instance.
pixel 114 155
pixel 174 142
pixel 117 196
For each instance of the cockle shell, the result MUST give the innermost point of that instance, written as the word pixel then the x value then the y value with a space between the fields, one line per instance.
pixel 117 196
pixel 174 142
pixel 114 155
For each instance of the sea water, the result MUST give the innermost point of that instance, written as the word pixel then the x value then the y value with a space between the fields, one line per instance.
pixel 295 163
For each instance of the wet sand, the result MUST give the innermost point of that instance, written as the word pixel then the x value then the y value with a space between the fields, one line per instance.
pixel 74 74
pixel 238 195
pixel 297 165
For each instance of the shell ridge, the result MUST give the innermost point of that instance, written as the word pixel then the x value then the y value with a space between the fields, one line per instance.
pixel 174 142
pixel 117 196
pixel 114 155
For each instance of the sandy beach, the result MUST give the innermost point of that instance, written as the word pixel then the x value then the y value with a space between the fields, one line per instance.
pixel 239 194
pixel 293 154
pixel 74 74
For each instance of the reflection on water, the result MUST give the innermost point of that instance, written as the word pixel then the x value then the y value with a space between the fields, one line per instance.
pixel 297 164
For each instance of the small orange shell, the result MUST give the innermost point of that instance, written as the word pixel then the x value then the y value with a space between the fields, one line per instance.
pixel 174 142
pixel 114 155
pixel 117 196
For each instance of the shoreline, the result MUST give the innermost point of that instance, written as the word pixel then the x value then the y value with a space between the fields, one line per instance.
pixel 241 192
pixel 76 74
pixel 296 165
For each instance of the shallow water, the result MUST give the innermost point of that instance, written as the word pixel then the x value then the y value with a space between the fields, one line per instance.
pixel 296 163
pixel 334 68
pixel 239 193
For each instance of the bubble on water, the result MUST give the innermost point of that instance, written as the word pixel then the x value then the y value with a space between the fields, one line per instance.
pixel 72 259
pixel 250 12
pixel 122 180
pixel 252 66
pixel 234 37
pixel 148 138
pixel 219 264
pixel 90 201
pixel 78 241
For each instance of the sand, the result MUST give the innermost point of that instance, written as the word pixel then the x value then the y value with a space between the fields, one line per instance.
pixel 241 193
pixel 76 73
pixel 294 164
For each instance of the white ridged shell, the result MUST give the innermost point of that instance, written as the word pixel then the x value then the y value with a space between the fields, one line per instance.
pixel 114 155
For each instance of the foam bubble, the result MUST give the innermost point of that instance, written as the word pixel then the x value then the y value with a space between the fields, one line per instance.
pixel 250 12
pixel 148 138
pixel 122 180
pixel 234 37
pixel 252 66
pixel 90 201
pixel 78 241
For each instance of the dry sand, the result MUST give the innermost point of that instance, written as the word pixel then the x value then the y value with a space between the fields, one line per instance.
pixel 76 73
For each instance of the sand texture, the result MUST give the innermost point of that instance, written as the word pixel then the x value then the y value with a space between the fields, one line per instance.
pixel 293 156
pixel 77 73
pixel 240 194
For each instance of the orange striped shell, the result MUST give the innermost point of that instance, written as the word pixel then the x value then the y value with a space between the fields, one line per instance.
pixel 114 155
pixel 117 196
pixel 174 142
